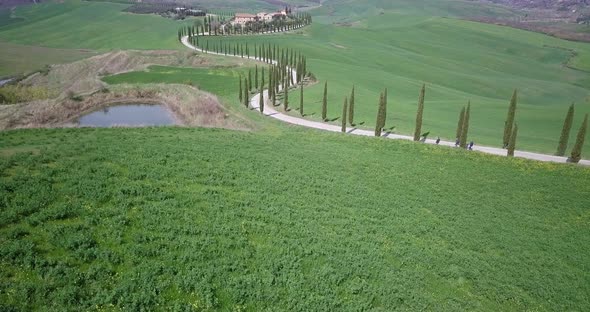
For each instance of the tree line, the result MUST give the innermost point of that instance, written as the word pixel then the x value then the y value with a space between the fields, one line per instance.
pixel 219 26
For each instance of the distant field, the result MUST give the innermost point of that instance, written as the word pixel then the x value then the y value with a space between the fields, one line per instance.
pixel 15 58
pixel 89 25
pixel 221 81
pixel 296 220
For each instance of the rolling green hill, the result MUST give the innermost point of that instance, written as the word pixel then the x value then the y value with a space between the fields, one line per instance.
pixel 293 220
pixel 460 61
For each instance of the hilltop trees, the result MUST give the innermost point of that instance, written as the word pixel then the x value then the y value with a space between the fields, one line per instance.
pixel 465 127
pixel 565 132
pixel 419 114
pixel 512 141
pixel 325 102
pixel 576 155
pixel 344 111
pixel 508 124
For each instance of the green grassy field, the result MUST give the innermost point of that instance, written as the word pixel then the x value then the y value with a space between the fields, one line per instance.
pixel 220 81
pixel 89 25
pixel 16 59
pixel 294 220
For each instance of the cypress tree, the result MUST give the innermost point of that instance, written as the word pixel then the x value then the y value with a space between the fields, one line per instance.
pixel 249 80
pixel 576 155
pixel 241 91
pixel 344 111
pixel 262 82
pixel 351 108
pixel 246 93
pixel 510 119
pixel 384 109
pixel 419 113
pixel 378 127
pixel 325 102
pixel 256 76
pixel 512 141
pixel 286 97
pixel 565 132
pixel 261 102
pixel 460 123
pixel 465 127
pixel 301 100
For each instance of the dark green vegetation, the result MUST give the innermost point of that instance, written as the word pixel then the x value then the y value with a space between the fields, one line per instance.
pixel 218 81
pixel 171 217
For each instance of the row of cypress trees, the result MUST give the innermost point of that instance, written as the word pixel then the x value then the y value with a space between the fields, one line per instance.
pixel 510 127
pixel 216 26
pixel 281 72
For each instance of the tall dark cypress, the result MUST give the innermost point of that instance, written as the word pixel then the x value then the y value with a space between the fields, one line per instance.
pixel 465 128
pixel 286 97
pixel 344 111
pixel 384 110
pixel 249 80
pixel 241 91
pixel 325 102
pixel 261 101
pixel 301 100
pixel 460 123
pixel 256 77
pixel 576 155
pixel 512 142
pixel 378 127
pixel 351 108
pixel 510 119
pixel 246 93
pixel 565 132
pixel 419 114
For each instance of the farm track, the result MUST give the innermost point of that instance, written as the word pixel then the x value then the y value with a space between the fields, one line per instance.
pixel 272 112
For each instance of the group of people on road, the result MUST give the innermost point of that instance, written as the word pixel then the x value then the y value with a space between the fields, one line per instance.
pixel 457 141
pixel 469 146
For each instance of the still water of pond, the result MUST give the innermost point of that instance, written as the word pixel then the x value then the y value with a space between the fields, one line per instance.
pixel 128 115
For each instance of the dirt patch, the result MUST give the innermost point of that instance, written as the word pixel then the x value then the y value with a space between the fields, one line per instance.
pixel 190 107
pixel 77 90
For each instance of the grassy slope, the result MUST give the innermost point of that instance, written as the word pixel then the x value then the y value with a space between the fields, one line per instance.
pixel 15 59
pixel 291 220
pixel 90 25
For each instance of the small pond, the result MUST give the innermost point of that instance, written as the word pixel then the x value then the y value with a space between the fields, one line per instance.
pixel 5 81
pixel 128 115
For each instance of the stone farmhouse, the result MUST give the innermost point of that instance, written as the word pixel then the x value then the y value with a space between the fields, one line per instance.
pixel 243 18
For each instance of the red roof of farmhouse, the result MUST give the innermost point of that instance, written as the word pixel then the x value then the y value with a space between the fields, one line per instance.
pixel 245 15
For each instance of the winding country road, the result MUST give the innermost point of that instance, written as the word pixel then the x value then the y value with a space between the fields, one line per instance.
pixel 272 112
